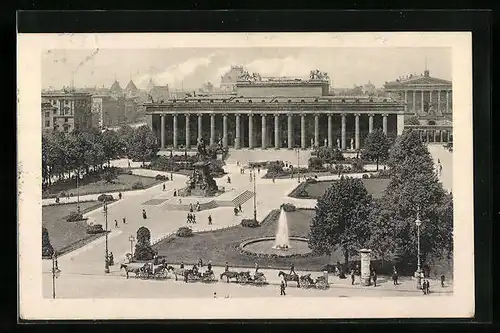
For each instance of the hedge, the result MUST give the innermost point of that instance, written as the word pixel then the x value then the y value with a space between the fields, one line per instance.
pixel 249 223
pixel 184 232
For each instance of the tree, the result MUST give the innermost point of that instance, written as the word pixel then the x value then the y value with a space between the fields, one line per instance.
pixel 126 135
pixel 112 146
pixel 342 219
pixel 47 249
pixel 143 236
pixel 143 250
pixel 143 146
pixel 414 187
pixel 376 147
pixel 412 120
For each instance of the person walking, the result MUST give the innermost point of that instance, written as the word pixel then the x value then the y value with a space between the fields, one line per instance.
pixel 119 195
pixel 124 221
pixel 352 277
pixel 209 266
pixel 209 219
pixel 239 208
pixel 292 269
pixel 374 278
pixel 442 280
pixel 182 265
pixel 175 193
pixel 282 288
pixel 163 187
pixel 144 215
pixel 427 287
pixel 111 259
pixel 116 224
pixel 258 171
pixel 274 179
pixel 256 268
pixel 226 269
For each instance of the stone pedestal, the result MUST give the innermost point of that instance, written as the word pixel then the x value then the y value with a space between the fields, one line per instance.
pixel 365 266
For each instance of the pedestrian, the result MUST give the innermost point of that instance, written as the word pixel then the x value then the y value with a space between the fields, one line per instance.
pixel 422 286
pixel 124 222
pixel 235 211
pixel 119 195
pixel 352 276
pixel 191 207
pixel 292 269
pixel 239 208
pixel 427 287
pixel 163 187
pixel 209 219
pixel 180 201
pixel 111 259
pixel 374 278
pixel 200 262
pixel 128 163
pixel 227 267
pixel 182 265
pixel 442 280
pixel 175 193
pixel 256 268
pixel 274 179
pixel 215 295
pixel 282 288
pixel 171 176
pixel 258 170
pixel 250 176
pixel 57 200
pixel 144 215
pixel 198 206
pixel 194 218
pixel 228 180
pixel 116 224
pixel 209 266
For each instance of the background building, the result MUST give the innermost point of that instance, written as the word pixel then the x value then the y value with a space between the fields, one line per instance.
pixel 70 110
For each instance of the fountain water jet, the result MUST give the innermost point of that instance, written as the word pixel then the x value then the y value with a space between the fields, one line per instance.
pixel 282 241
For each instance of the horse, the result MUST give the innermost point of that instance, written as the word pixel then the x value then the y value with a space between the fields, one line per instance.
pixel 290 277
pixel 131 269
pixel 175 271
pixel 233 275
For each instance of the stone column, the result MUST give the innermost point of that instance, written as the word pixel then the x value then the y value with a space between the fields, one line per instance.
pixel 290 137
pixel 175 131
pixel 439 101
pixel 200 130
pixel 188 136
pixel 365 266
pixel 237 139
pixel 212 129
pixel 427 132
pixel 224 130
pixel 316 131
pixel 356 132
pixel 384 123
pixel 434 137
pixel 162 131
pixel 343 141
pixel 430 99
pixel 406 100
pixel 447 136
pixel 422 102
pixel 420 134
pixel 277 143
pixel 414 104
pixel 250 131
pixel 370 123
pixel 330 136
pixel 447 101
pixel 303 131
pixel 263 136
pixel 441 132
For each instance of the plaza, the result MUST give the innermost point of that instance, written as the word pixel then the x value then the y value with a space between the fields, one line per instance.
pixel 85 266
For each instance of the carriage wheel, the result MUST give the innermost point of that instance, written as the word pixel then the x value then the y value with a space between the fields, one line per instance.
pixel 244 279
pixel 306 284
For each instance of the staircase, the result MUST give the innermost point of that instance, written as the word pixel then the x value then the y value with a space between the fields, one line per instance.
pixel 203 206
pixel 257 155
pixel 242 198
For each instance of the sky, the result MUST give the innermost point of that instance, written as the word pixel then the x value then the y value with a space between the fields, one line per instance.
pixel 190 68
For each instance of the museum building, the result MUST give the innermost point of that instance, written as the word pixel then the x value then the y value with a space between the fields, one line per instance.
pixel 275 112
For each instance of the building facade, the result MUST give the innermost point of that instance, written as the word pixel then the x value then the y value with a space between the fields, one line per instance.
pixel 69 110
pixel 274 113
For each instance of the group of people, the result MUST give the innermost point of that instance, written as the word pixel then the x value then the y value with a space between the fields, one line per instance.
pixel 198 207
pixel 191 218
pixel 237 210
pixel 123 220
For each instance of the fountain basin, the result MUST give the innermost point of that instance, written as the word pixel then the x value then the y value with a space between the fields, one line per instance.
pixel 263 246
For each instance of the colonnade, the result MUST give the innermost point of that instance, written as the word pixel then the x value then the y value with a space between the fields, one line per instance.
pixel 435 135
pixel 426 96
pixel 343 144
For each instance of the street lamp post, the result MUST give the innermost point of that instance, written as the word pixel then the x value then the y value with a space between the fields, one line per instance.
pixel 106 258
pixel 55 274
pixel 418 273
pixel 254 199
pixel 298 164
pixel 77 192
pixel 131 239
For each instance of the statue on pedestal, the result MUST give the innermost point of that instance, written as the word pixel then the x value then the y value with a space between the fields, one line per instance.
pixel 326 142
pixel 312 143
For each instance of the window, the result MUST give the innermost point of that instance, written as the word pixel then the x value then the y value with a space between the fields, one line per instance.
pixel 302 101
pixel 66 102
pixel 47 123
pixel 276 101
pixel 47 114
pixel 343 101
pixel 249 101
pixel 237 101
pixel 211 101
pixel 66 119
pixel 199 101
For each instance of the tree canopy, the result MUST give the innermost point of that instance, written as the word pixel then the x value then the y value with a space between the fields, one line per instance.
pixel 342 218
pixel 143 144
pixel 376 147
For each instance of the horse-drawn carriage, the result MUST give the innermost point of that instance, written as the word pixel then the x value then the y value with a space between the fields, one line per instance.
pixel 245 277
pixel 308 282
pixel 146 270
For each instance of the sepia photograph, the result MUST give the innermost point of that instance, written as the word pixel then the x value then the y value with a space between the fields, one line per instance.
pixel 265 171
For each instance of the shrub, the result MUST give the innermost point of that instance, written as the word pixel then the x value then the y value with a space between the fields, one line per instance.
pixel 357 165
pixel 107 197
pixel 184 232
pixel 74 216
pixel 109 175
pixel 143 252
pixel 288 207
pixel 365 176
pixel 384 174
pixel 161 177
pixel 315 163
pixel 129 172
pixel 47 249
pixel 249 223
pixel 275 167
pixel 138 185
pixel 94 229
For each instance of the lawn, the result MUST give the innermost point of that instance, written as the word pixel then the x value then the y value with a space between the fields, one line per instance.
pixel 374 186
pixel 94 184
pixel 222 245
pixel 67 236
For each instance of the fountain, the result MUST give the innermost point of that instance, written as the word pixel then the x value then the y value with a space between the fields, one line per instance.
pixel 281 245
pixel 282 240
